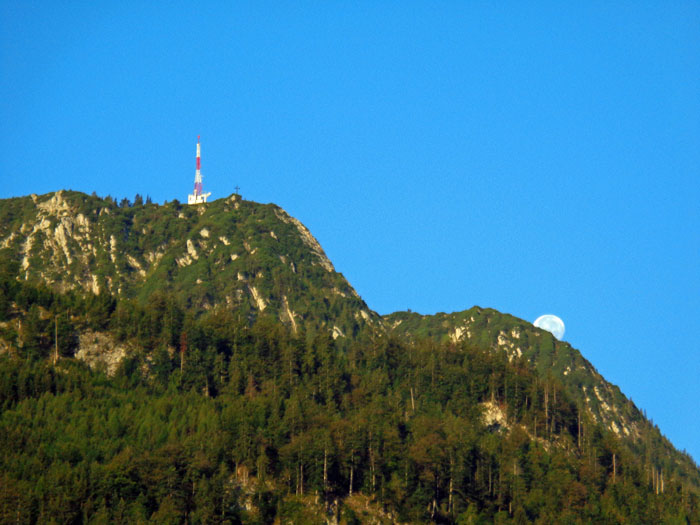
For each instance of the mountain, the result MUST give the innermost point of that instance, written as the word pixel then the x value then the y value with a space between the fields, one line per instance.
pixel 234 376
pixel 250 257
pixel 490 330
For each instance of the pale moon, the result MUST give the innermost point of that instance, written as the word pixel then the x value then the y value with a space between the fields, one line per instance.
pixel 552 324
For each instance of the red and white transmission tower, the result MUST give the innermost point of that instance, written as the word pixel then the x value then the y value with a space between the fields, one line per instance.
pixel 198 196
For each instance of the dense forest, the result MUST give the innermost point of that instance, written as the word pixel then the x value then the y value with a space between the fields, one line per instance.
pixel 217 418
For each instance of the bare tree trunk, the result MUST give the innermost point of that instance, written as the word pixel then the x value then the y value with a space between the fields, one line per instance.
pixel 325 471
pixel 505 394
pixel 535 425
pixel 512 497
pixel 352 473
pixel 449 502
pixel 579 429
pixel 655 480
pixel 546 410
pixel 55 338
pixel 301 478
pixel 553 426
pixel 614 467
pixel 515 399
pixel 371 461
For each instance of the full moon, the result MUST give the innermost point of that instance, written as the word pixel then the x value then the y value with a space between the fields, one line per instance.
pixel 552 324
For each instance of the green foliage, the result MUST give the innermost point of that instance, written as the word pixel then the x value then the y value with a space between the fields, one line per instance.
pixel 258 418
pixel 220 413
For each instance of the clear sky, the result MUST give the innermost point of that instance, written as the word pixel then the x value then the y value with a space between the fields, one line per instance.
pixel 534 159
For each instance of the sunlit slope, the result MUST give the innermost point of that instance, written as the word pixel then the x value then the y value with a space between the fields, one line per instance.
pixel 553 360
pixel 257 261
pixel 250 257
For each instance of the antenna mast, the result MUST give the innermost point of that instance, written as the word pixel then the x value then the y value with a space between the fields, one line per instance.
pixel 198 196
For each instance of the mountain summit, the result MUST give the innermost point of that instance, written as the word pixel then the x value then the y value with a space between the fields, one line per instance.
pixel 253 258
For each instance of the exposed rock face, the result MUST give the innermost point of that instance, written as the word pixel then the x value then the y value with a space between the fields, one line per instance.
pixel 308 239
pixel 493 414
pixel 289 314
pixel 259 301
pixel 458 334
pixel 54 233
pixel 100 352
pixel 191 250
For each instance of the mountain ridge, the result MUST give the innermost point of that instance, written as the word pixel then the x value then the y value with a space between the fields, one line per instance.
pixel 232 256
pixel 253 257
pixel 68 223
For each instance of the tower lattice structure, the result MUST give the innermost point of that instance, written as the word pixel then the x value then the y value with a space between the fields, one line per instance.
pixel 198 196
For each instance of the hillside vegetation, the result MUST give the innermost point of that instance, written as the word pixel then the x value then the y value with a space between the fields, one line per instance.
pixel 250 257
pixel 167 394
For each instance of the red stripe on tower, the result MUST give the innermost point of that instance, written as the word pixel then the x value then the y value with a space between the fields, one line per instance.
pixel 198 196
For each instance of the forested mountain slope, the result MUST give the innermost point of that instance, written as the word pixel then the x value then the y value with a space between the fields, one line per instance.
pixel 235 377
pixel 251 257
pixel 490 330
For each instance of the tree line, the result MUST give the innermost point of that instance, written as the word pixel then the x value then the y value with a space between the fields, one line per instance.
pixel 219 419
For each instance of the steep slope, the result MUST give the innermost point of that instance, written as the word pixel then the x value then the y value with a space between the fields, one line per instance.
pixel 490 330
pixel 253 258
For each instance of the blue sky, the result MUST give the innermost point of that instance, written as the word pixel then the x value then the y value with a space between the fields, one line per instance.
pixel 534 159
